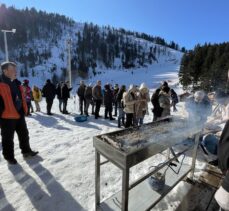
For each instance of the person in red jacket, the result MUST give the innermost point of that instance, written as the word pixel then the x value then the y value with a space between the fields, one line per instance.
pixel 13 109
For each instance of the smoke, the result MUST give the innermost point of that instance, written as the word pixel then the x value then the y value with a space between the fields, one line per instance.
pixel 198 111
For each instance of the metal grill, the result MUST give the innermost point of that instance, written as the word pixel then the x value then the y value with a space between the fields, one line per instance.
pixel 128 147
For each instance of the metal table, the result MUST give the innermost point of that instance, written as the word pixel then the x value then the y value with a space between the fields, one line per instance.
pixel 117 151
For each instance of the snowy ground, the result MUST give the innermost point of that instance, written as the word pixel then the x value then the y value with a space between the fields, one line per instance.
pixel 62 176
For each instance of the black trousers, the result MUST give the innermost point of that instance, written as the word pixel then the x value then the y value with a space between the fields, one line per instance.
pixel 129 120
pixel 97 107
pixel 49 105
pixel 60 105
pixel 116 108
pixel 29 106
pixel 108 110
pixel 82 105
pixel 65 103
pixel 8 128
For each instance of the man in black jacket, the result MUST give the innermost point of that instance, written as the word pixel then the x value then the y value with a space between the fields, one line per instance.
pixel 98 98
pixel 108 100
pixel 49 93
pixel 80 93
pixel 222 194
pixel 59 95
pixel 89 99
pixel 13 109
pixel 65 95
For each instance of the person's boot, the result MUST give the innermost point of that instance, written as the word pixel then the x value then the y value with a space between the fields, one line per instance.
pixel 12 161
pixel 30 154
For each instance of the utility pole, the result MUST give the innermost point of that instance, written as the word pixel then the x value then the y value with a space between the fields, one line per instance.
pixel 5 41
pixel 69 43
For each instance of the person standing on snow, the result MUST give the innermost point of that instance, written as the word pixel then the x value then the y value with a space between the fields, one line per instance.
pixel 174 99
pixel 98 98
pixel 130 102
pixel 37 96
pixel 108 100
pixel 89 99
pixel 59 95
pixel 121 113
pixel 13 109
pixel 157 110
pixel 65 95
pixel 115 91
pixel 164 101
pixel 49 92
pixel 80 93
pixel 142 108
pixel 28 96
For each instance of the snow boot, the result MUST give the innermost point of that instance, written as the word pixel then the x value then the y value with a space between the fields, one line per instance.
pixel 30 154
pixel 12 161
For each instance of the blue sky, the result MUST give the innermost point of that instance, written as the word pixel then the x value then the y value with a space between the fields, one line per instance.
pixel 187 22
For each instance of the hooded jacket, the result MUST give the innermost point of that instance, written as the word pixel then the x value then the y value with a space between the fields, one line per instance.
pixel 164 102
pixel 97 92
pixel 49 90
pixel 142 106
pixel 130 100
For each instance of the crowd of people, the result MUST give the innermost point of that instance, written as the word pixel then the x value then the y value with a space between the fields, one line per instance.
pixel 129 105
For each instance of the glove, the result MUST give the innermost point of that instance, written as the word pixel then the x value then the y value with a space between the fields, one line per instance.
pixel 222 198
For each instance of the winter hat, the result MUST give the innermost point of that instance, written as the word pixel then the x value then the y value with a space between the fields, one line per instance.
pixel 165 83
pixel 143 86
pixel 131 86
pixel 48 81
pixel 107 86
pixel 5 65
pixel 26 81
pixel 165 89
pixel 199 95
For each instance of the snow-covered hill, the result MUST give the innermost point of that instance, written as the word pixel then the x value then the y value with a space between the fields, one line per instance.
pixel 54 64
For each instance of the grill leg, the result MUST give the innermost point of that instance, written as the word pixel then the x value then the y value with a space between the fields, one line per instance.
pixel 125 189
pixel 168 154
pixel 197 137
pixel 97 180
